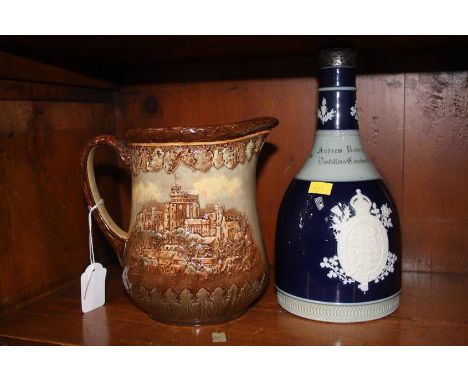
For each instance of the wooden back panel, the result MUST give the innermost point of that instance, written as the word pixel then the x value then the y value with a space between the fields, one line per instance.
pixel 435 172
pixel 390 125
pixel 413 127
pixel 43 217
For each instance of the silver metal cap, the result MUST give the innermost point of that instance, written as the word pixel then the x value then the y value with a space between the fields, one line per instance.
pixel 337 57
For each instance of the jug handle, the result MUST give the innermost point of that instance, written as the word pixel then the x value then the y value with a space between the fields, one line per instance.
pixel 116 235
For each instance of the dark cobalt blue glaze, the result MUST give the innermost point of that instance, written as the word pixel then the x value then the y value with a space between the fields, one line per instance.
pixel 337 76
pixel 337 95
pixel 342 246
pixel 304 238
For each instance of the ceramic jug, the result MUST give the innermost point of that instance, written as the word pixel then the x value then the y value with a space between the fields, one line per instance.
pixel 194 251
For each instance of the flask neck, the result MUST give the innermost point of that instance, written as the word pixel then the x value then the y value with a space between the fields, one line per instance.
pixel 337 109
pixel 337 154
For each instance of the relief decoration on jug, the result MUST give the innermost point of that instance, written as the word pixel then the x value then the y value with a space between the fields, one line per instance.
pixel 198 157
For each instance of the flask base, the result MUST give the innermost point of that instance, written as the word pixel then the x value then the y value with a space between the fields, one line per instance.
pixel 344 313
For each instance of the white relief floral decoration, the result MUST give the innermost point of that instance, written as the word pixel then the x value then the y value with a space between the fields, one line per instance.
pixel 340 216
pixel 323 113
pixel 354 111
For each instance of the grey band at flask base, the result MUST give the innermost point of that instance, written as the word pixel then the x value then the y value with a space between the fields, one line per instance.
pixel 333 312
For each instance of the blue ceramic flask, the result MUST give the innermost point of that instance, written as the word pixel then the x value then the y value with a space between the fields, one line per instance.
pixel 338 244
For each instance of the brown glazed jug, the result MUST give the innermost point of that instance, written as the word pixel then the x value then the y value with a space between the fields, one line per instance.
pixel 194 252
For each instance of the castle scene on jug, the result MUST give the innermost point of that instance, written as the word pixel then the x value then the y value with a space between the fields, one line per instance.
pixel 179 237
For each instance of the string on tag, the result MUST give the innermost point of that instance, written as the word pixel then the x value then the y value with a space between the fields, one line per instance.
pixel 90 225
pixel 91 245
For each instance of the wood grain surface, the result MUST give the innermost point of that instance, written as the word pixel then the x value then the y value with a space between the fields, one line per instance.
pixel 33 91
pixel 413 126
pixel 43 218
pixel 13 67
pixel 435 173
pixel 433 311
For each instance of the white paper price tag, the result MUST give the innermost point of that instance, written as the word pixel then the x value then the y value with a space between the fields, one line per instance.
pixel 93 287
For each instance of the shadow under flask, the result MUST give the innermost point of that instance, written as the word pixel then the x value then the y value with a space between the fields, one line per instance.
pixel 338 242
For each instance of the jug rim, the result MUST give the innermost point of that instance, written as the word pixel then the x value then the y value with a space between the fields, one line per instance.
pixel 200 133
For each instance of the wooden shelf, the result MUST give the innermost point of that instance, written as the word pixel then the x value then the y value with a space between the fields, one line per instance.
pixel 433 311
pixel 56 93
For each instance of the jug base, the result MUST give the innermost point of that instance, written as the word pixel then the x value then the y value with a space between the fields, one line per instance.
pixel 341 313
pixel 214 321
